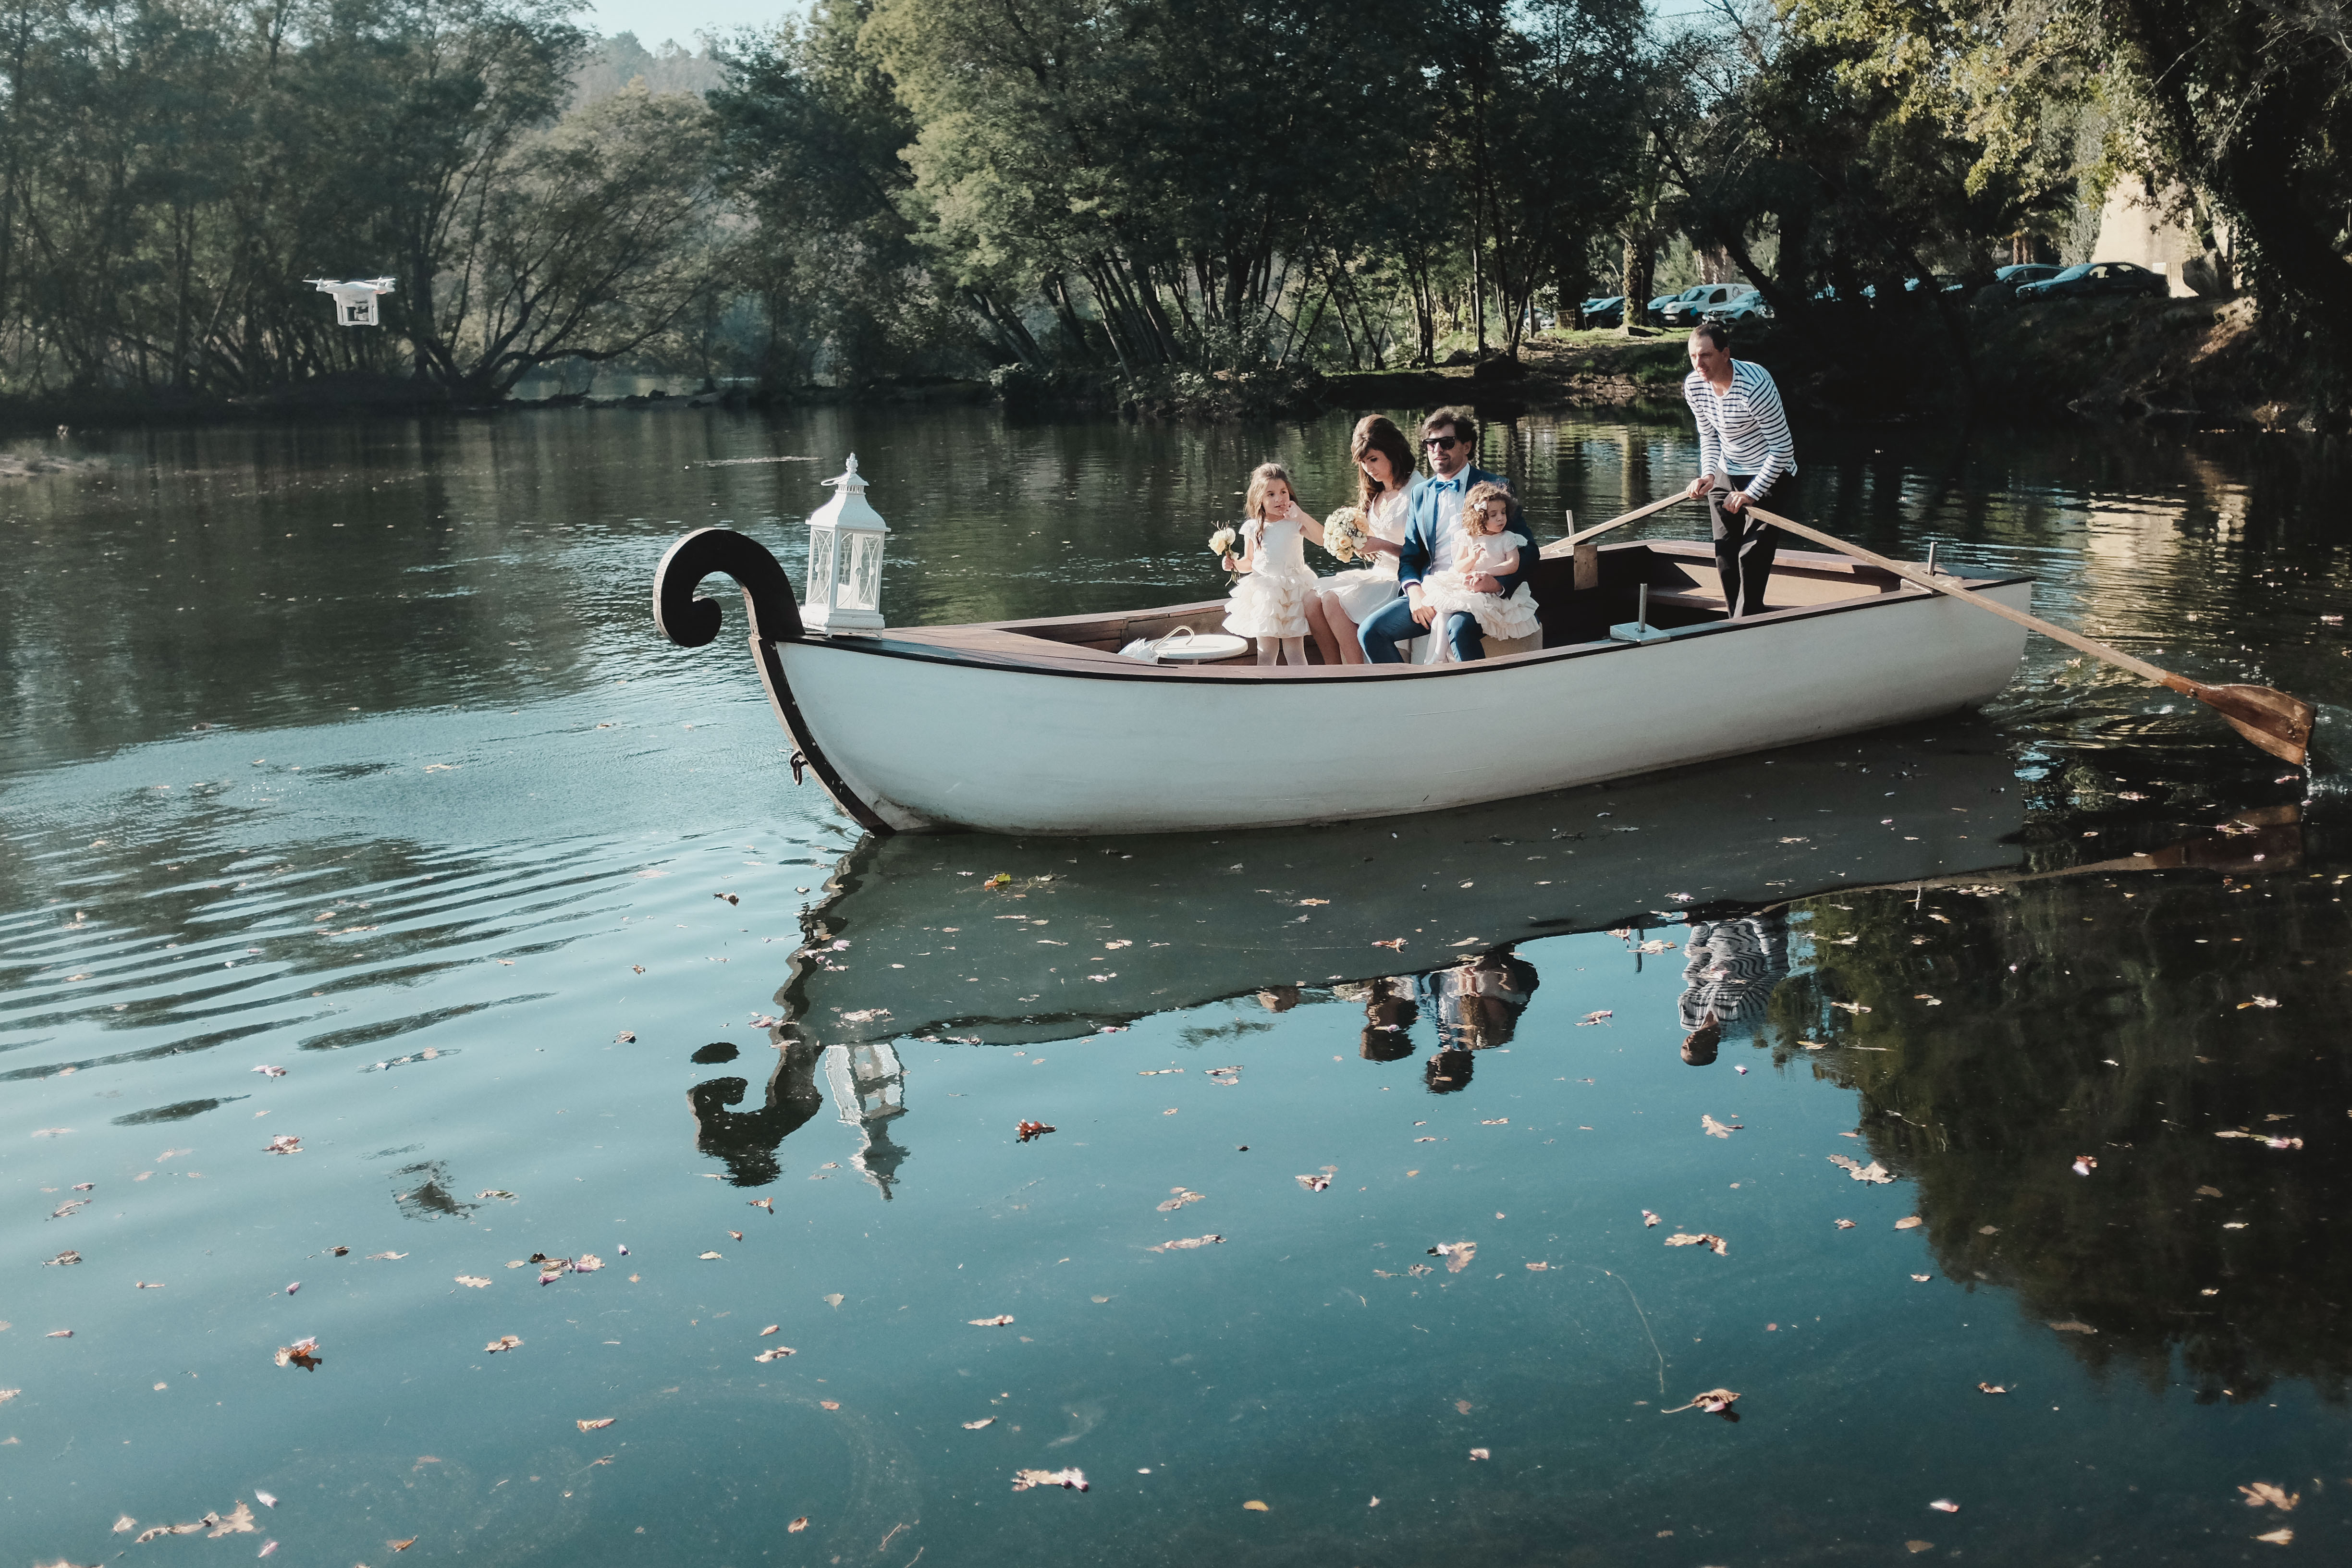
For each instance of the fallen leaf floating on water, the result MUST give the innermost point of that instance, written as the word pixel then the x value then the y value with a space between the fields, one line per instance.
pixel 1497 1121
pixel 1537 1268
pixel 8 1393
pixel 58 1334
pixel 271 1072
pixel 1715 1128
pixel 2084 1164
pixel 474 1280
pixel 380 1258
pixel 776 1353
pixel 2259 1002
pixel 1225 1077
pixel 1945 1505
pixel 830 1404
pixel 866 1014
pixel 1602 1016
pixel 284 1143
pixel 125 1523
pixel 1480 1454
pixel 65 1260
pixel 588 1263
pixel 267 1547
pixel 1843 1224
pixel 626 1037
pixel 2263 1493
pixel 239 1521
pixel 68 1207
pixel 2234 1224
pixel 503 1342
pixel 1909 1222
pixel 2209 1191
pixel 709 1257
pixel 997 1322
pixel 768 1203
pixel 771 1329
pixel 1649 1219
pixel 833 1301
pixel 303 1353
pixel 728 896
pixel 1029 1130
pixel 488 1192
pixel 736 1234
pixel 1182 1196
pixel 1923 1279
pixel 1850 1006
pixel 1185 1245
pixel 1068 1481
pixel 1873 1173
pixel 1713 1402
pixel 976 1425
pixel 1254 1506
pixel 596 1425
pixel 797 1525
pixel 1721 1248
pixel 1396 942
pixel 402 1545
pixel 1313 1183
pixel 2071 1327
pixel 2278 1537
pixel 1916 1547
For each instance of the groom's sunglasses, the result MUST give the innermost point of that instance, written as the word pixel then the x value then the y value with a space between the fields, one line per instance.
pixel 1443 443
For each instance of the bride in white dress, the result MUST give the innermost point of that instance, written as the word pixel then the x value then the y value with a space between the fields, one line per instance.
pixel 1384 470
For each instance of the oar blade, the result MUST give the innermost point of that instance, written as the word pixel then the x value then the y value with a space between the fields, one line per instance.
pixel 2277 722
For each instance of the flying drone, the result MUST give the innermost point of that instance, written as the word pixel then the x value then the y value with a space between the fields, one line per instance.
pixel 354 300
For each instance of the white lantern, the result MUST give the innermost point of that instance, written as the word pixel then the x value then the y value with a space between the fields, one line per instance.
pixel 844 573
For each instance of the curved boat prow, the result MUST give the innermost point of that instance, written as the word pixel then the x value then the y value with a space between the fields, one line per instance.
pixel 690 622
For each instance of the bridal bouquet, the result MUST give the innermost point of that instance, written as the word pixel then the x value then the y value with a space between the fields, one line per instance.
pixel 1343 533
pixel 1222 542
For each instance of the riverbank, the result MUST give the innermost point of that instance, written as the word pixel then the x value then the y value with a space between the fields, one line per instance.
pixel 2198 363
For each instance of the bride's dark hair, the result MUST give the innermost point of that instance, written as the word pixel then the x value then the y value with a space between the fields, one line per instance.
pixel 1378 433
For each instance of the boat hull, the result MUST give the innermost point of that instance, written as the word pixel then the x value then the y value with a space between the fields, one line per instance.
pixel 917 741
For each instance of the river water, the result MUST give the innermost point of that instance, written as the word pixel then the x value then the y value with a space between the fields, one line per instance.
pixel 349 750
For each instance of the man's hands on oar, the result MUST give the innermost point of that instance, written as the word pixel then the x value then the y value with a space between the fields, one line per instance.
pixel 2278 722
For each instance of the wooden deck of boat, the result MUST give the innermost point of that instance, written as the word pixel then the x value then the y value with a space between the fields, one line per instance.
pixel 1680 575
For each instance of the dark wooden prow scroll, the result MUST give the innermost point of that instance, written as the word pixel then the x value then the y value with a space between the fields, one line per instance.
pixel 768 597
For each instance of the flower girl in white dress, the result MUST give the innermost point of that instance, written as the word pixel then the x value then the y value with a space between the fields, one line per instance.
pixel 1492 544
pixel 1269 604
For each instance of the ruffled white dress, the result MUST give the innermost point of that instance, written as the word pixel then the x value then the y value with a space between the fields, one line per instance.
pixel 1497 617
pixel 1366 589
pixel 1270 601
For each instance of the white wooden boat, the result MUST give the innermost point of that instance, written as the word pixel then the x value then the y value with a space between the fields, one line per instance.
pixel 1043 727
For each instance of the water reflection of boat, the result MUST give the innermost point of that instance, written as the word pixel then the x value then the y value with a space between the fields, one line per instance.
pixel 1019 941
pixel 1044 727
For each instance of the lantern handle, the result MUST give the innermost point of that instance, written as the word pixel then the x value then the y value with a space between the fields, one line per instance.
pixel 692 622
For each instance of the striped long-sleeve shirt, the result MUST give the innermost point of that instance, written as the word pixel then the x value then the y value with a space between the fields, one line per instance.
pixel 1743 431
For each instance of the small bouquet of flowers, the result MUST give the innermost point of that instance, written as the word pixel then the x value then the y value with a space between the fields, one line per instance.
pixel 1222 542
pixel 1344 534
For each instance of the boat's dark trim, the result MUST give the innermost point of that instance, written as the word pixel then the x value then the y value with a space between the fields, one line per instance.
pixel 779 697
pixel 775 615
pixel 886 646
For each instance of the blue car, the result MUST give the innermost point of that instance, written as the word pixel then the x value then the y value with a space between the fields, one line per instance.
pixel 2092 279
pixel 1609 310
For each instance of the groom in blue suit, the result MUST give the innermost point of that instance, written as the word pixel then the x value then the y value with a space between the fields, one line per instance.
pixel 1432 529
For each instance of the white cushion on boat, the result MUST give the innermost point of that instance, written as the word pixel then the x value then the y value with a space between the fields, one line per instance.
pixel 1205 648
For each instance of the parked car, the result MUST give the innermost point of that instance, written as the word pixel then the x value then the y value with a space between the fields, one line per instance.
pixel 1609 310
pixel 1664 302
pixel 2096 278
pixel 1707 300
pixel 1750 306
pixel 2024 272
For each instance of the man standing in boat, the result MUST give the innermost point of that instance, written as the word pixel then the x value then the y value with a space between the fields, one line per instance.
pixel 1746 457
pixel 1432 529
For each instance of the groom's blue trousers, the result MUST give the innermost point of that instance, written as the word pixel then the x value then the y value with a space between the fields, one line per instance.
pixel 1392 623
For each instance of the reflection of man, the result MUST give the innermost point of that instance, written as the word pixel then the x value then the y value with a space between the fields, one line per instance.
pixel 1477 1004
pixel 1731 967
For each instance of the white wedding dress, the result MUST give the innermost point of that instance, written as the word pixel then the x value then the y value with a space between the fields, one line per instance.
pixel 1366 589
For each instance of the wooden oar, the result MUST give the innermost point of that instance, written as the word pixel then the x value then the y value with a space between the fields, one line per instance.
pixel 1560 547
pixel 2277 722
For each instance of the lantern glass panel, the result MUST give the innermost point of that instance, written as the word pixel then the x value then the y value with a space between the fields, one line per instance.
pixel 863 589
pixel 820 577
